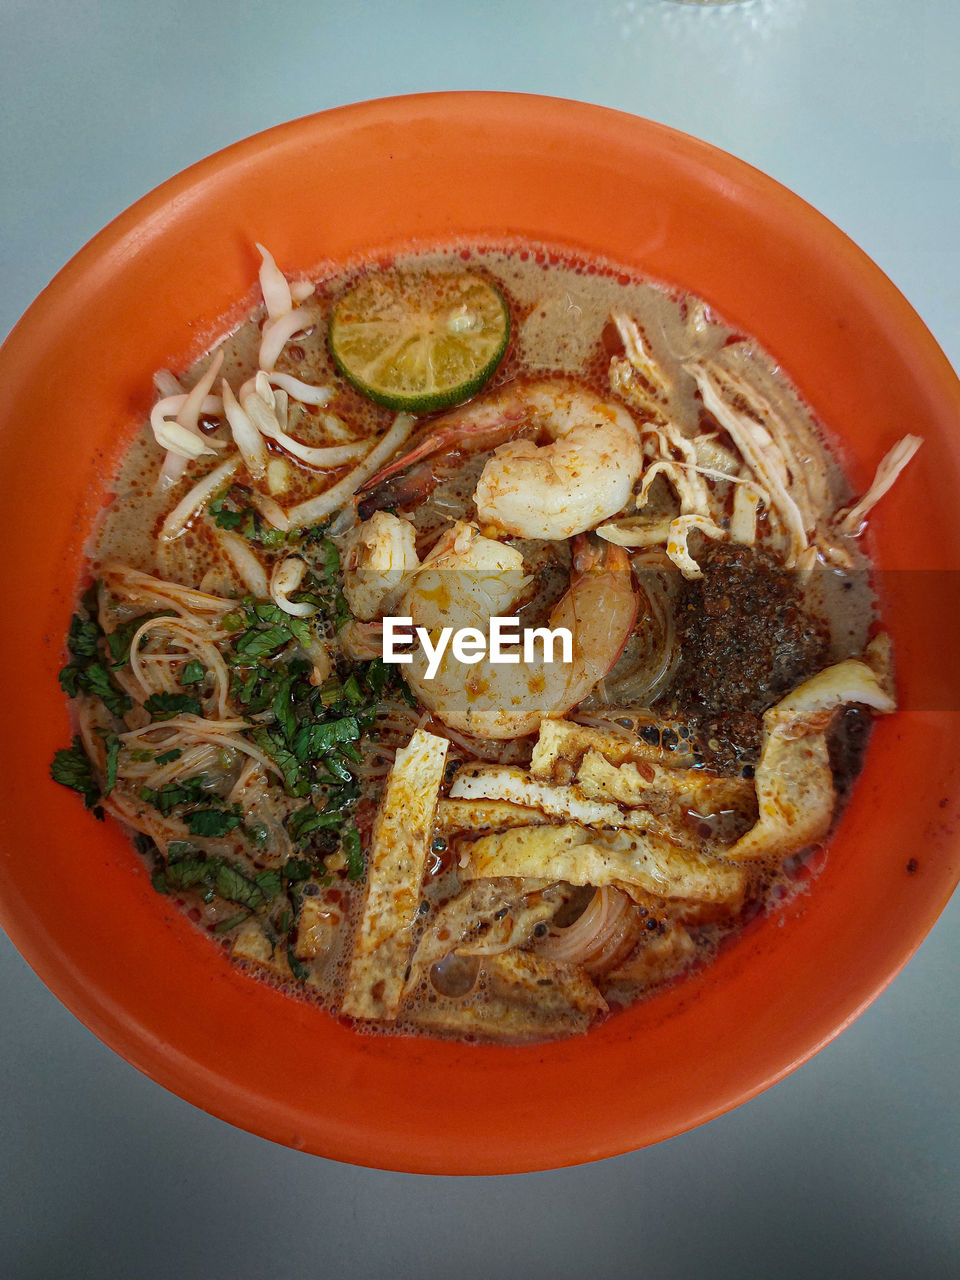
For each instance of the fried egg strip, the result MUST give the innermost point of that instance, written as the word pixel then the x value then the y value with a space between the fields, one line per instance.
pixel 402 832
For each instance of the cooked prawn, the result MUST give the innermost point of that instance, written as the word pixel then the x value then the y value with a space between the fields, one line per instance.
pixel 377 554
pixel 508 700
pixel 581 475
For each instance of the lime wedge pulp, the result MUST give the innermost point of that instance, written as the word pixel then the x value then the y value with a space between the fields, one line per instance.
pixel 419 341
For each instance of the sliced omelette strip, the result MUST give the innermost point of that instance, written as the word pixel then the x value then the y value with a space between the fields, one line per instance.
pixel 478 780
pixel 523 997
pixel 402 831
pixel 626 859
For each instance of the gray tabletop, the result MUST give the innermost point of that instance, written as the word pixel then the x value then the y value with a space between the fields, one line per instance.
pixel 849 1167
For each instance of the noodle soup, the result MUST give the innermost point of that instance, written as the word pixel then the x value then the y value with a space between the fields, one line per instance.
pixel 482 852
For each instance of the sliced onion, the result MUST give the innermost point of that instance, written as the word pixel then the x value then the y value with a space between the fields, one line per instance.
pixel 166 384
pixel 251 571
pixel 285 579
pixel 248 439
pixel 302 391
pixel 277 333
pixel 301 290
pixel 270 509
pixel 273 285
pixel 314 509
pixel 262 413
pixel 192 407
pixel 199 496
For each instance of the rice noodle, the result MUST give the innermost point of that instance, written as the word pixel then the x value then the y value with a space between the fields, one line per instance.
pixel 146 590
pixel 250 785
pixel 186 727
pixel 605 933
pixel 190 634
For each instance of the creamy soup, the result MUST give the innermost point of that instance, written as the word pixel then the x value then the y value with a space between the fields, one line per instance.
pixel 459 847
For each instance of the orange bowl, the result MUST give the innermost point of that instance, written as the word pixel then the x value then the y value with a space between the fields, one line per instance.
pixel 154 289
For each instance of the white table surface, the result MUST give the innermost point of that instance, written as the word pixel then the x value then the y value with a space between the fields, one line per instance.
pixel 848 1168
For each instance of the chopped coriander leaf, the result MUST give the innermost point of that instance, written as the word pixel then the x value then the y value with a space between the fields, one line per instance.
pixel 267 611
pixel 83 636
pixel 72 768
pixel 352 691
pixel 376 676
pixel 335 768
pixel 224 926
pixel 96 679
pixel 263 644
pixel 90 600
pixel 351 752
pixel 339 798
pixel 330 692
pixel 303 821
pixel 179 849
pixel 353 850
pixel 167 797
pixel 283 707
pixel 317 532
pixel 296 869
pixel 232 621
pixel 142 755
pixel 216 876
pixel 167 757
pixel 228 519
pixel 329 558
pixel 273 745
pixel 270 883
pixel 121 637
pixel 112 744
pixel 233 885
pixel 164 706
pixel 70 679
pixel 273 614
pixel 193 673
pixel 212 822
pixel 299 971
pixel 314 740
pixel 187 873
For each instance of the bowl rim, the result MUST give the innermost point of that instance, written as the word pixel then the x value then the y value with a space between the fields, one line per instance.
pixel 128 1030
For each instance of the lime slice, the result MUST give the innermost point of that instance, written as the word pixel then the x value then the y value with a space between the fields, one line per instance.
pixel 419 341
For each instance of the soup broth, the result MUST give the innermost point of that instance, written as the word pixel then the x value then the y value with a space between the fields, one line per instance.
pixel 430 856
